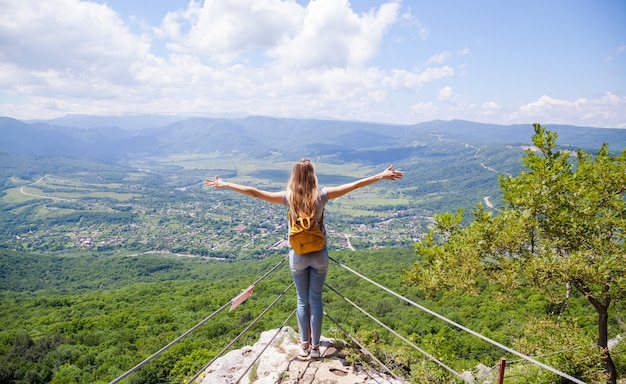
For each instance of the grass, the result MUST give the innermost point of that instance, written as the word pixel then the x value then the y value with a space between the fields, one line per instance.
pixel 372 202
pixel 79 189
pixel 114 195
pixel 43 212
pixel 135 176
pixel 30 193
pixel 15 196
pixel 355 212
pixel 253 374
pixel 209 160
pixel 258 169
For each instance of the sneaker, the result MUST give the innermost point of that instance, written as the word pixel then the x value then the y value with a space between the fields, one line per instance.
pixel 315 352
pixel 303 350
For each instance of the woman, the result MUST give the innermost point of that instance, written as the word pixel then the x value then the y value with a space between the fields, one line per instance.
pixel 304 196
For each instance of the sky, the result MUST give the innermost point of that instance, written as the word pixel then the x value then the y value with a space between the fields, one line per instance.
pixel 398 62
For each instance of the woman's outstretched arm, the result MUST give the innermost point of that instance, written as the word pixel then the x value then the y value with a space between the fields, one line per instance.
pixel 387 174
pixel 272 197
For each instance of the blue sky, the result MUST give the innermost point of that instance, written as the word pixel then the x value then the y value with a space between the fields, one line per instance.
pixel 504 62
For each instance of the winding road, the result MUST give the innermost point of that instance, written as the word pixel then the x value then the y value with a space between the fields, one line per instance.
pixel 23 192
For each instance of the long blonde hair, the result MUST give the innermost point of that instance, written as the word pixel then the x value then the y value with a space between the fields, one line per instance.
pixel 302 189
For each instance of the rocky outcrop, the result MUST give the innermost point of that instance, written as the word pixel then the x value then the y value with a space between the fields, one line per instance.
pixel 280 363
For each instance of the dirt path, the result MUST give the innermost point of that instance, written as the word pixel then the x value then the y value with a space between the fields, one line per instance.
pixel 348 240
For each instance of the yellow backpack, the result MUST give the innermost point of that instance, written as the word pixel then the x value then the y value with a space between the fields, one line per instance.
pixel 305 235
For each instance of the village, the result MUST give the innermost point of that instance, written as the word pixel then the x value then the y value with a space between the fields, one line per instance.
pixel 235 229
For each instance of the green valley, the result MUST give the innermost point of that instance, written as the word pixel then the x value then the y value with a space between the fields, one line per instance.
pixel 106 257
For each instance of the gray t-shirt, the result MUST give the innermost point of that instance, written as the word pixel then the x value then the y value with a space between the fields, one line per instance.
pixel 322 199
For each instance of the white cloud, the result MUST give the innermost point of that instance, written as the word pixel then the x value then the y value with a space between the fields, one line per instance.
pixel 447 95
pixel 602 111
pixel 424 110
pixel 439 58
pixel 402 79
pixel 65 54
pixel 490 108
pixel 70 37
pixel 445 56
pixel 617 52
pixel 223 30
pixel 325 34
pixel 332 35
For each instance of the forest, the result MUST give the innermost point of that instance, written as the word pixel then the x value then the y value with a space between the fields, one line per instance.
pixel 89 320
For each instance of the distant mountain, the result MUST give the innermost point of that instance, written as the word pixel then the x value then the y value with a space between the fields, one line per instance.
pixel 130 122
pixel 115 138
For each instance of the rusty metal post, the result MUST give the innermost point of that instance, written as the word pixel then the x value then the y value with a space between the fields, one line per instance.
pixel 501 372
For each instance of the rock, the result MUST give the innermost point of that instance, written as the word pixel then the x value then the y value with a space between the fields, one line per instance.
pixel 280 363
pixel 614 341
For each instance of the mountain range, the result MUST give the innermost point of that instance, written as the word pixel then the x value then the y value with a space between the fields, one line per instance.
pixel 115 138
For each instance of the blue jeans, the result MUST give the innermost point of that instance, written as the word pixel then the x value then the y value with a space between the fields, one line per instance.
pixel 309 273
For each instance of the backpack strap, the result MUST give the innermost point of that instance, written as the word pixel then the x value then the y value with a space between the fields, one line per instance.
pixel 305 222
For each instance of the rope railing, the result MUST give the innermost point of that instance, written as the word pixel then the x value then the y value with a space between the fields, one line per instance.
pixel 191 330
pixel 485 338
pixel 552 353
pixel 160 351
pixel 476 334
pixel 266 345
pixel 362 347
pixel 227 347
pixel 428 355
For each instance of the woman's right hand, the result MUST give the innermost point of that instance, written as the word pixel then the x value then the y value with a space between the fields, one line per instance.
pixel 390 174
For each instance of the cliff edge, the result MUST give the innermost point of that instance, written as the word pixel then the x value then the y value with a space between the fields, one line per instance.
pixel 280 363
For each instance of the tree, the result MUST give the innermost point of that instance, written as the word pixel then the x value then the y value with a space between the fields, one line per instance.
pixel 562 226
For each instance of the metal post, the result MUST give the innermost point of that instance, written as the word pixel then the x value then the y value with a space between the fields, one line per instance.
pixel 501 372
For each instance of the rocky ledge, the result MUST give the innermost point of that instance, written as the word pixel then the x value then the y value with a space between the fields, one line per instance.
pixel 280 363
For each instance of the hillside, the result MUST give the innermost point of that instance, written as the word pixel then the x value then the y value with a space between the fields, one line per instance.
pixel 90 319
pixel 122 138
